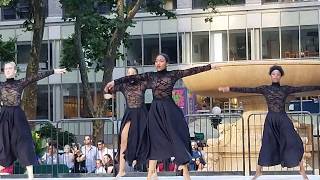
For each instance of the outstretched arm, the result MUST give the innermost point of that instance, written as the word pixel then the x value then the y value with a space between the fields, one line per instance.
pixel 115 84
pixel 41 75
pixel 258 90
pixel 292 89
pixel 194 70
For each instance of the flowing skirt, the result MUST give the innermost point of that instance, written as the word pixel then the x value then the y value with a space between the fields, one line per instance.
pixel 15 138
pixel 281 144
pixel 137 144
pixel 168 132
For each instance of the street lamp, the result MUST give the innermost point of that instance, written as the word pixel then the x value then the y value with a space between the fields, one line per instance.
pixel 216 117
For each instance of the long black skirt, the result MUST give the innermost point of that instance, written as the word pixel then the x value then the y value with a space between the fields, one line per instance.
pixel 168 132
pixel 137 144
pixel 15 138
pixel 281 144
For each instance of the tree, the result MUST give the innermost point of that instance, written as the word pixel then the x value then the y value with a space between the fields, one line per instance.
pixel 7 50
pixel 97 40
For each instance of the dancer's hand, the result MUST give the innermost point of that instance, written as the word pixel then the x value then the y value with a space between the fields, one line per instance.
pixel 109 86
pixel 224 89
pixel 108 96
pixel 215 66
pixel 60 71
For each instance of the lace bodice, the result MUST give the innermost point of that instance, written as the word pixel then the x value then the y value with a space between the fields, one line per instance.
pixel 11 89
pixel 133 92
pixel 162 82
pixel 275 94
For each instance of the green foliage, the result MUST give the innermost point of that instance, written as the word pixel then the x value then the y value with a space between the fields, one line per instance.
pixel 40 144
pixel 7 49
pixel 5 2
pixel 97 30
pixel 51 133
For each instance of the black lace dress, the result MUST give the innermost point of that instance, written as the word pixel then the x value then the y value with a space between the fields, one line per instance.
pixel 168 131
pixel 15 134
pixel 281 144
pixel 136 112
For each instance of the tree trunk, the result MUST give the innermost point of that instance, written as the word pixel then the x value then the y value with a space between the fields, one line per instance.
pixel 29 99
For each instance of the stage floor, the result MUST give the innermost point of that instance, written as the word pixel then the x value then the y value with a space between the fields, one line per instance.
pixel 265 177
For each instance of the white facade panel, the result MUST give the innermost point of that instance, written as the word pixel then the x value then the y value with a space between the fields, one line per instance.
pixel 237 22
pixel 168 26
pixel 290 18
pixel 137 29
pixel 271 19
pixel 199 24
pixel 23 35
pixel 219 23
pixel 254 20
pixel 150 27
pixel 309 17
pixel 184 24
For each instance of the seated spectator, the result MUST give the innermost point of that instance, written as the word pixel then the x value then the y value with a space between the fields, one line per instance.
pixel 51 156
pixel 99 167
pixel 102 150
pixel 172 166
pixel 108 163
pixel 67 157
pixel 79 161
pixel 195 154
pixel 199 164
pixel 160 166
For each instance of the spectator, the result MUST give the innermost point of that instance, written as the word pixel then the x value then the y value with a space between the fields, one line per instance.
pixel 51 156
pixel 90 153
pixel 67 157
pixel 199 164
pixel 79 160
pixel 102 150
pixel 108 163
pixel 172 166
pixel 195 154
pixel 99 167
pixel 7 170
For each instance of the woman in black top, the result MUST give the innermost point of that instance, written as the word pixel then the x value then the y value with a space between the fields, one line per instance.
pixel 168 130
pixel 281 144
pixel 132 137
pixel 15 137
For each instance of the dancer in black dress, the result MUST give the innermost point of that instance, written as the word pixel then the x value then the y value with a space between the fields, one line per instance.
pixel 167 128
pixel 133 125
pixel 15 137
pixel 281 144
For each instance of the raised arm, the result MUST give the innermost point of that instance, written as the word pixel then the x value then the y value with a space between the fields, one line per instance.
pixel 292 89
pixel 258 90
pixel 192 71
pixel 41 75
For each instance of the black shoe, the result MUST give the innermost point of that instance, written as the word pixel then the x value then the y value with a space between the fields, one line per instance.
pixel 179 172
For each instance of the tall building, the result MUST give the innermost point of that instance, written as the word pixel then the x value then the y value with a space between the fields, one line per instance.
pixel 246 30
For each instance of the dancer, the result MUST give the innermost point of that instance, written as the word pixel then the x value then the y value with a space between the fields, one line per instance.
pixel 167 128
pixel 281 144
pixel 133 125
pixel 15 137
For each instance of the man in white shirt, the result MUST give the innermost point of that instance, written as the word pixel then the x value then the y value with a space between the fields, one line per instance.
pixel 90 153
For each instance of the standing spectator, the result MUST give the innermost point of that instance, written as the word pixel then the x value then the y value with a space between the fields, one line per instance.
pixel 51 156
pixel 90 153
pixel 99 167
pixel 79 160
pixel 109 165
pixel 67 157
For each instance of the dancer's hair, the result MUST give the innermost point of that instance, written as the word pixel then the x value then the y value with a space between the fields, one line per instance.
pixel 276 67
pixel 12 63
pixel 166 57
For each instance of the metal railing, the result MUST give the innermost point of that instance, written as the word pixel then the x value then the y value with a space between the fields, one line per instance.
pixel 303 123
pixel 222 137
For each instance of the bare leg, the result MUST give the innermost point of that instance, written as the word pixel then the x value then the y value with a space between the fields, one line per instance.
pixel 303 171
pixel 123 147
pixel 30 172
pixel 152 172
pixel 258 172
pixel 185 171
